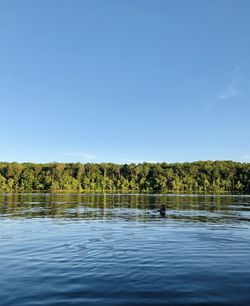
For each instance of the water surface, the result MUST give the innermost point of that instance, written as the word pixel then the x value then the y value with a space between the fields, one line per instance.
pixel 79 249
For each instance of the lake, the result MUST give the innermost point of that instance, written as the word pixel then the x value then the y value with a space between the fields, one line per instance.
pixel 95 249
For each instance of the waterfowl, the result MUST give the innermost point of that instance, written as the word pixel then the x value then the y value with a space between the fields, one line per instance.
pixel 162 210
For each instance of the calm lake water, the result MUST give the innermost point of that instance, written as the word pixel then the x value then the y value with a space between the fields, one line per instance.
pixel 78 249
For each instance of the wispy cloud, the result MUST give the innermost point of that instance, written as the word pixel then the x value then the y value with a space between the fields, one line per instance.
pixel 140 161
pixel 236 69
pixel 85 156
pixel 132 161
pixel 230 91
pixel 246 158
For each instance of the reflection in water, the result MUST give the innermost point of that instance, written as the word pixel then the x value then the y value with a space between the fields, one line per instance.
pixel 85 249
pixel 124 206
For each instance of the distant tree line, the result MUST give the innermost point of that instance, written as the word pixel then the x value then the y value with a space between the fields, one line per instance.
pixel 195 177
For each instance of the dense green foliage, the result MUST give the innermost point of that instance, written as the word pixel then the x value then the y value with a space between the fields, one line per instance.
pixel 196 177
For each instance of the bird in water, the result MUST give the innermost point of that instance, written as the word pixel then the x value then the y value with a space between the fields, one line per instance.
pixel 162 210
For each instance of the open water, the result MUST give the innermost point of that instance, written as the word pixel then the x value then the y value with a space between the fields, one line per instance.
pixel 81 249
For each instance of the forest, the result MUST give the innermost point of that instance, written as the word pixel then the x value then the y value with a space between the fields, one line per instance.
pixel 196 177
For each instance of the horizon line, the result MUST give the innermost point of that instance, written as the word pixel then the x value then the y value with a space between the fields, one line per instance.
pixel 128 163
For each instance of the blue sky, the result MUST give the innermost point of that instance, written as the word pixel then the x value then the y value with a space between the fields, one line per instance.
pixel 124 81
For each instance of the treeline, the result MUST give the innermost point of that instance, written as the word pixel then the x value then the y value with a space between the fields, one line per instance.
pixel 196 177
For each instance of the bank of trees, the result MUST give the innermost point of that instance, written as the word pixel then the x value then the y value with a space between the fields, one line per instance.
pixel 196 177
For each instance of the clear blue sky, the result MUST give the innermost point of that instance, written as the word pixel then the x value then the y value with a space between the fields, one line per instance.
pixel 124 81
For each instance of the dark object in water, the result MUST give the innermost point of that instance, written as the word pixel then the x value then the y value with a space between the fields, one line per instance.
pixel 162 210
